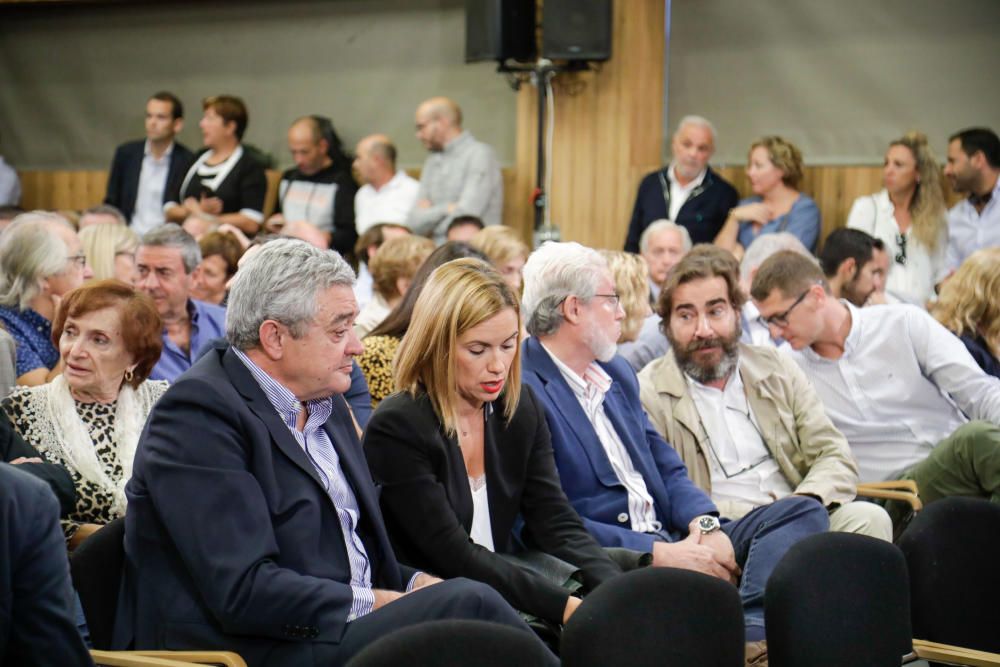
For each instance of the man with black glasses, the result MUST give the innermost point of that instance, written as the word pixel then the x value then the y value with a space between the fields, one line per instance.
pixel 907 395
pixel 743 418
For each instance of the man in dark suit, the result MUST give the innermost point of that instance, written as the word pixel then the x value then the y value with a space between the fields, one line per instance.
pixel 147 174
pixel 253 524
pixel 686 191
pixel 36 596
pixel 627 483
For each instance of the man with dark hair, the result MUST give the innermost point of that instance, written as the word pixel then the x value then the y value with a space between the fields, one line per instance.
pixel 686 191
pixel 387 194
pixel 316 191
pixel 463 228
pixel 744 419
pixel 849 263
pixel 146 174
pixel 974 169
pixel 102 214
pixel 364 250
pixel 899 386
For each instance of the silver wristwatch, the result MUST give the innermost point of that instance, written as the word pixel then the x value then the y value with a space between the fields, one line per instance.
pixel 708 524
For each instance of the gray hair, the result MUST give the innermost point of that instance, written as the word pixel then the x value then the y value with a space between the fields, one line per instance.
pixel 280 282
pixel 29 252
pixel 701 121
pixel 658 226
pixel 552 273
pixel 766 245
pixel 172 235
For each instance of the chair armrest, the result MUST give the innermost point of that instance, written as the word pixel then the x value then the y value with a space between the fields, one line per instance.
pixel 163 658
pixel 903 490
pixel 933 651
pixel 129 659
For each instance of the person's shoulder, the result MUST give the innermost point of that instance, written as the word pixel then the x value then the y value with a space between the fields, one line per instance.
pixel 415 413
pixel 719 183
pixel 22 490
pixel 182 151
pixel 21 396
pixel 805 203
pixel 151 390
pixel 135 147
pixel 620 371
pixel 215 312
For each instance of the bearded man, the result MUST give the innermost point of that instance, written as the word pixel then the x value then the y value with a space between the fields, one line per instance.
pixel 744 418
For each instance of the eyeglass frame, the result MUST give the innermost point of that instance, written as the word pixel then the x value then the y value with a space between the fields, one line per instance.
pixel 715 455
pixel 781 319
pixel 901 244
pixel 616 298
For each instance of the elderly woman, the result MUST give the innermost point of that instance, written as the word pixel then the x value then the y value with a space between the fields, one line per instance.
pixel 89 418
pixel 393 268
pixel 226 184
pixel 463 451
pixel 506 251
pixel 40 260
pixel 908 215
pixel 110 251
pixel 220 258
pixel 641 339
pixel 775 170
pixel 381 344
pixel 969 307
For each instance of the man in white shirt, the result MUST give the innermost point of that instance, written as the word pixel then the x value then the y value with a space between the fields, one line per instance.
pixel 744 419
pixel 899 386
pixel 755 331
pixel 387 193
pixel 145 175
pixel 974 169
pixel 850 266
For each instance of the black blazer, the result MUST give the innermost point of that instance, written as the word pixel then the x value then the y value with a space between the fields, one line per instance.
pixel 13 446
pixel 37 625
pixel 428 507
pixel 123 181
pixel 231 540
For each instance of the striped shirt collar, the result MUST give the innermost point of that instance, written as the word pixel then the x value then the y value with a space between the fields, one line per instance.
pixel 594 379
pixel 284 401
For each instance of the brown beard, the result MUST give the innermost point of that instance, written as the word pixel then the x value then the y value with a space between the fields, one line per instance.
pixel 684 354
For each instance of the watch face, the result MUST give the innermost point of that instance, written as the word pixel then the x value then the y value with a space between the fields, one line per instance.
pixel 708 523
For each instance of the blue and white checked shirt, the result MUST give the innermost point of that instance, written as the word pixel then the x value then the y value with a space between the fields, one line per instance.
pixel 315 441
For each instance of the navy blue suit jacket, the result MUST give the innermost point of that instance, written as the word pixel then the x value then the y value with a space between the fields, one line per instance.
pixel 36 598
pixel 231 540
pixel 586 473
pixel 123 180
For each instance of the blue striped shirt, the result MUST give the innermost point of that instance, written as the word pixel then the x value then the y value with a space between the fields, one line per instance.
pixel 316 443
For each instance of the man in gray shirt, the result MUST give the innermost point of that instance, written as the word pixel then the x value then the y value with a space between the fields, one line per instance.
pixel 460 177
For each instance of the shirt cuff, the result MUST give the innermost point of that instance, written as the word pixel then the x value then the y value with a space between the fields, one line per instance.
pixel 363 603
pixel 413 581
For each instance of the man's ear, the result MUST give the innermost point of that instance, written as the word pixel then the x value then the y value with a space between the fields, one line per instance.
pixel 178 125
pixel 571 309
pixel 847 269
pixel 272 339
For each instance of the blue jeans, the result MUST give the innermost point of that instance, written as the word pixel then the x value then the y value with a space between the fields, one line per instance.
pixel 760 539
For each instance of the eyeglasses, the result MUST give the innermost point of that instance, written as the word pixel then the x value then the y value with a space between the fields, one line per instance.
pixel 80 260
pixel 781 319
pixel 728 474
pixel 901 255
pixel 615 298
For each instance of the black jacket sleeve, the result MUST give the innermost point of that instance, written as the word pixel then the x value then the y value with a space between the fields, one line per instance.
pixel 344 232
pixel 13 446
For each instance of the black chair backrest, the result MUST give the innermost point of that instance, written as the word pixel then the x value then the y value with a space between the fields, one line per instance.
pixel 838 599
pixel 657 617
pixel 96 567
pixel 454 643
pixel 953 549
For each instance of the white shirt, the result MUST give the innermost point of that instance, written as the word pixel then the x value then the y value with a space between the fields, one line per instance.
pixel 968 230
pixel 148 212
pixel 740 464
pixel 390 203
pixel 913 281
pixel 589 391
pixel 680 193
pixel 371 316
pixel 481 531
pixel 903 384
pixel 364 287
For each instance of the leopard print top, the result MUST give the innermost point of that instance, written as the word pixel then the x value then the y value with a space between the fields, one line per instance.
pixel 93 502
pixel 376 364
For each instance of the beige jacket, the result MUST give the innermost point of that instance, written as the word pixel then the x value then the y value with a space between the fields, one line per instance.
pixel 811 453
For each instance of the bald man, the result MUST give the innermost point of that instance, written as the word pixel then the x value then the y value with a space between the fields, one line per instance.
pixel 460 177
pixel 386 194
pixel 316 192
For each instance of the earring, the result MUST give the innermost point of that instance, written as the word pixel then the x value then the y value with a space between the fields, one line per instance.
pixel 129 375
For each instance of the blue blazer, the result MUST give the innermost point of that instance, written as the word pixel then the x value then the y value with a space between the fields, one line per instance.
pixel 123 179
pixel 586 473
pixel 231 540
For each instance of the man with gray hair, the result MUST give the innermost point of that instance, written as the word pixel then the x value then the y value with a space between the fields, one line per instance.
pixel 252 522
pixel 460 177
pixel 629 486
pixel 686 191
pixel 755 329
pixel 165 264
pixel 662 245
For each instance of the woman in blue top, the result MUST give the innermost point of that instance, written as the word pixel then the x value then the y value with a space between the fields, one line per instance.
pixel 774 168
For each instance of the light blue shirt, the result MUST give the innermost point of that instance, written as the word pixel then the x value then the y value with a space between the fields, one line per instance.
pixel 802 220
pixel 970 230
pixel 208 322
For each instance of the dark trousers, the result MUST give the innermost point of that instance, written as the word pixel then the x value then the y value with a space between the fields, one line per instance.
pixel 760 539
pixel 452 599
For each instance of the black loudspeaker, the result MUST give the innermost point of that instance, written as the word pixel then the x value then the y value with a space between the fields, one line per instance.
pixel 499 29
pixel 576 29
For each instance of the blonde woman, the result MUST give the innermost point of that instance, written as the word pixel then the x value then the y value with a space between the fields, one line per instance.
pixel 393 268
pixel 641 340
pixel 462 450
pixel 506 251
pixel 908 216
pixel 969 307
pixel 110 251
pixel 775 170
